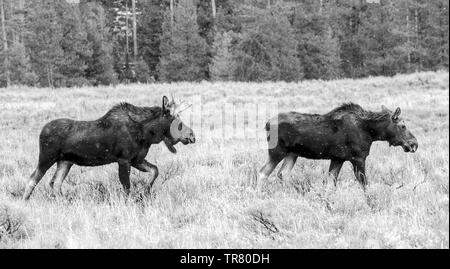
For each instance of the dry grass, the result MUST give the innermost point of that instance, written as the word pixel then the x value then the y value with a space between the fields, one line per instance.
pixel 203 197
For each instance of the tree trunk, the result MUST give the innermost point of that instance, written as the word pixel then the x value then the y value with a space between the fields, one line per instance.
pixel 50 75
pixel 416 33
pixel 383 50
pixel 21 19
pixel 442 34
pixel 408 40
pixel 171 14
pixel 135 48
pixel 5 43
pixel 126 34
pixel 213 6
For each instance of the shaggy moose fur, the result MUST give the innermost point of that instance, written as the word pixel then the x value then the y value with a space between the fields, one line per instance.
pixel 344 134
pixel 123 135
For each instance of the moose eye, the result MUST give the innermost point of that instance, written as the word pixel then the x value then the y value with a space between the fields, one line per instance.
pixel 180 126
pixel 403 127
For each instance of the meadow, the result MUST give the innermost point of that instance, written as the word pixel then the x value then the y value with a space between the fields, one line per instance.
pixel 204 196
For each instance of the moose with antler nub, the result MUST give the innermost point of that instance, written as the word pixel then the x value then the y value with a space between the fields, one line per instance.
pixel 123 135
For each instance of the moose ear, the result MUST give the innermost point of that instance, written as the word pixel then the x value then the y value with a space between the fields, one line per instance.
pixel 396 114
pixel 165 105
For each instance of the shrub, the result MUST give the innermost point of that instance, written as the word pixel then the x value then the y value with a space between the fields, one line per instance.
pixel 11 224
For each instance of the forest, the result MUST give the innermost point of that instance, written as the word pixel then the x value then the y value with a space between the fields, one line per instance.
pixel 67 43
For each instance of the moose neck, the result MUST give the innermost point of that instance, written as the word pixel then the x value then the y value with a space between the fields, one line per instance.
pixel 155 130
pixel 377 129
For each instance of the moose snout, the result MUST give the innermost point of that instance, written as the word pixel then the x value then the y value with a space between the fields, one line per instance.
pixel 191 138
pixel 413 145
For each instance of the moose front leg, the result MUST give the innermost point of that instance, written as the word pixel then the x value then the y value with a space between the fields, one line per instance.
pixel 145 166
pixel 359 168
pixel 169 144
pixel 124 176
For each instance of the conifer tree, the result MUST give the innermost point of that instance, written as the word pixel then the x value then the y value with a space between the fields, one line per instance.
pixel 378 40
pixel 75 46
pixel 268 50
pixel 149 32
pixel 45 34
pixel 222 65
pixel 100 66
pixel 183 51
pixel 21 70
pixel 318 47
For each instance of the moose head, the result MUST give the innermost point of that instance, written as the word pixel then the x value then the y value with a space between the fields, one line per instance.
pixel 396 132
pixel 177 131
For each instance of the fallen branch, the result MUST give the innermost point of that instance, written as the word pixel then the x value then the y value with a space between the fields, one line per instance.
pixel 420 183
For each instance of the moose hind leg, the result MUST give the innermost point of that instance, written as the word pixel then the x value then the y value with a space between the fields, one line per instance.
pixel 288 164
pixel 51 182
pixel 33 181
pixel 124 176
pixel 359 168
pixel 275 158
pixel 148 167
pixel 335 169
pixel 36 176
pixel 62 169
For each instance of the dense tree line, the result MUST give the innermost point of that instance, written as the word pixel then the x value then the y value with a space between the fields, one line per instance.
pixel 69 43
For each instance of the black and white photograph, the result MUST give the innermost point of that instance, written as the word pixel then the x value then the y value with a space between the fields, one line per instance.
pixel 240 125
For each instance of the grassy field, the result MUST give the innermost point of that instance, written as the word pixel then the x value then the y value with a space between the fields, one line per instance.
pixel 203 197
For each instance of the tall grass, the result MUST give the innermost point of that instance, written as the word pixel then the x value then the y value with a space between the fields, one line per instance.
pixel 203 197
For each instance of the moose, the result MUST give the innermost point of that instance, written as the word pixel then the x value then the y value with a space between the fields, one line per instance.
pixel 344 134
pixel 123 135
